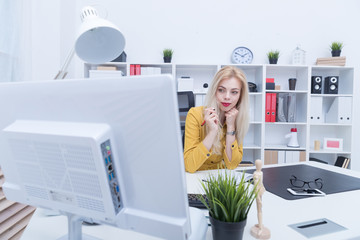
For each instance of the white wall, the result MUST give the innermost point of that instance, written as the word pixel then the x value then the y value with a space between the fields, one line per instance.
pixel 204 31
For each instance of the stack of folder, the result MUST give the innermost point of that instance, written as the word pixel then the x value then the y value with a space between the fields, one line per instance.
pixel 270 107
pixel 332 61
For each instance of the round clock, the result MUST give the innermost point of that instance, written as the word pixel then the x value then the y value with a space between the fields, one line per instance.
pixel 242 55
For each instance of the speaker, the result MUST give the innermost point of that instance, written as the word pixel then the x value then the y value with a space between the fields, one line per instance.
pixel 331 85
pixel 316 83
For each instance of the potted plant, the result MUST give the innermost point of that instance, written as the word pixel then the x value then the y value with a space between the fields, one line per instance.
pixel 167 52
pixel 228 201
pixel 336 48
pixel 273 56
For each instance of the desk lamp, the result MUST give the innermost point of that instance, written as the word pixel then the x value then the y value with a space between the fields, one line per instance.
pixel 98 41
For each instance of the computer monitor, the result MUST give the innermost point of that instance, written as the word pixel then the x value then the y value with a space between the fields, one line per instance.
pixel 105 150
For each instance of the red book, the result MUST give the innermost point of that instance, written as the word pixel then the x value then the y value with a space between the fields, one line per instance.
pixel 273 107
pixel 270 80
pixel 267 107
pixel 137 69
pixel 132 69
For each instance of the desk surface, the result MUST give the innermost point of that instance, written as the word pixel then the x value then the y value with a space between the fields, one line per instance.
pixel 341 208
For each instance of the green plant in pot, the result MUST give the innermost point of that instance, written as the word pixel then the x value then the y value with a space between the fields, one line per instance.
pixel 167 52
pixel 273 56
pixel 336 48
pixel 228 201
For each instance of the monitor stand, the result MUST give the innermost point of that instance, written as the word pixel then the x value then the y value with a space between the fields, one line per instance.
pixel 199 226
pixel 75 229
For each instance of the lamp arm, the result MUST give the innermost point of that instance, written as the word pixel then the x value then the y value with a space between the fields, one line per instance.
pixel 63 71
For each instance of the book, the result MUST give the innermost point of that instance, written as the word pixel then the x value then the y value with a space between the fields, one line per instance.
pixel 246 164
pixel 342 162
pixel 346 163
pixel 332 61
pixel 106 68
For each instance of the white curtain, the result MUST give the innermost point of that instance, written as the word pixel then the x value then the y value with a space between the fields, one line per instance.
pixel 12 55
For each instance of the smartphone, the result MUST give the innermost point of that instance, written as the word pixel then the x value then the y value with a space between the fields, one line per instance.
pixel 305 192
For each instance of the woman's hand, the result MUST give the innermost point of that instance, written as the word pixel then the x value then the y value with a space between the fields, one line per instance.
pixel 230 117
pixel 211 119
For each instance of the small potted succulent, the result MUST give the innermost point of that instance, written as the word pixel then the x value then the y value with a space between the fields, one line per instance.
pixel 336 48
pixel 167 52
pixel 228 200
pixel 273 56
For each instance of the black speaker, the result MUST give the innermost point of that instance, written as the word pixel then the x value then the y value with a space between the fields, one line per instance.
pixel 331 85
pixel 316 83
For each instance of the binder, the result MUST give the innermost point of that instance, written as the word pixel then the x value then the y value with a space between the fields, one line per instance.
pixel 281 157
pixel 137 69
pixel 132 69
pixel 340 111
pixel 199 100
pixel 316 110
pixel 145 70
pixel 295 156
pixel 273 107
pixel 268 107
pixel 291 107
pixel 271 157
pixel 281 111
pixel 289 157
pixel 302 156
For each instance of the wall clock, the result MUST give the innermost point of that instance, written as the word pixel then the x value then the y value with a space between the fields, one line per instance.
pixel 242 55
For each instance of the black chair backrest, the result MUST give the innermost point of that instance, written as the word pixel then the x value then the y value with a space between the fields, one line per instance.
pixel 186 100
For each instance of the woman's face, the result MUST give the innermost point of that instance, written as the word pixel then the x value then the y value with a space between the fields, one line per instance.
pixel 228 93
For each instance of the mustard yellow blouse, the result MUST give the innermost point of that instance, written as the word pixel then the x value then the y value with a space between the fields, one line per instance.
pixel 196 156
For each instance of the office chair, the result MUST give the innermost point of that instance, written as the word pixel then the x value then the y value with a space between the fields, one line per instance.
pixel 186 101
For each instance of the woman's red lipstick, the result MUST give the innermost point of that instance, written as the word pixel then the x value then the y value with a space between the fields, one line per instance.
pixel 225 104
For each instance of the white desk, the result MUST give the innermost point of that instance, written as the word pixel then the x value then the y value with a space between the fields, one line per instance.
pixel 342 208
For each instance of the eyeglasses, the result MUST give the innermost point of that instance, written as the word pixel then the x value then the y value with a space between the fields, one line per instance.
pixel 295 182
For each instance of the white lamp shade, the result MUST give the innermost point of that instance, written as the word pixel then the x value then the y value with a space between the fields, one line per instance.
pixel 99 40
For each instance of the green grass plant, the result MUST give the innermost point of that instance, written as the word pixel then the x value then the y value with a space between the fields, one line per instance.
pixel 273 54
pixel 229 200
pixel 335 46
pixel 168 52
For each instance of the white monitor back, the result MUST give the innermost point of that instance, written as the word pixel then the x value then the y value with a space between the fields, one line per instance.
pixel 59 166
pixel 142 113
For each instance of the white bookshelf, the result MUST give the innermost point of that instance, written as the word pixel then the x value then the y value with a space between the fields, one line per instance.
pixel 263 135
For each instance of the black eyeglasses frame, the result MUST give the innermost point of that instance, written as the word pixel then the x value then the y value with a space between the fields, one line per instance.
pixel 318 182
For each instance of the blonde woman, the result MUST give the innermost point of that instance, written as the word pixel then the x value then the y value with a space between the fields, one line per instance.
pixel 214 133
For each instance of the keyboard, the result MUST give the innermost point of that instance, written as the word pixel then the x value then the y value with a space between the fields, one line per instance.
pixel 194 201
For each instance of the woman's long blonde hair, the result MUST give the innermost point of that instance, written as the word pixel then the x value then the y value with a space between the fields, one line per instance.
pixel 242 120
